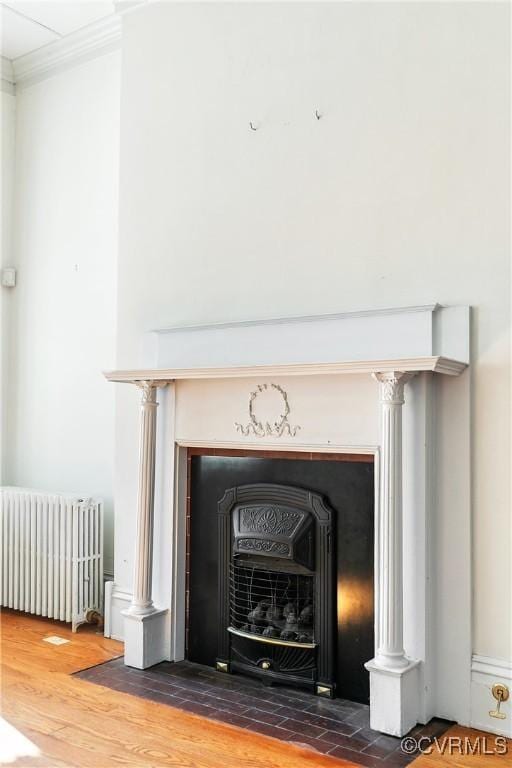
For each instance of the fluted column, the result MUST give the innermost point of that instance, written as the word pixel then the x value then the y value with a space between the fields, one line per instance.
pixel 390 650
pixel 142 602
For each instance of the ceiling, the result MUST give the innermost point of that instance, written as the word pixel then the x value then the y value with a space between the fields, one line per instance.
pixel 27 26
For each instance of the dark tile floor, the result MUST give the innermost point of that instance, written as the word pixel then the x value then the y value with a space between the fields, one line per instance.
pixel 338 728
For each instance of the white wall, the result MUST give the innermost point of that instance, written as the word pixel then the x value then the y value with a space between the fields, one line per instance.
pixel 8 110
pixel 398 195
pixel 61 410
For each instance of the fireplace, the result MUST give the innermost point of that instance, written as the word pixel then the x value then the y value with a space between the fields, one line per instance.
pixel 307 385
pixel 340 487
pixel 276 595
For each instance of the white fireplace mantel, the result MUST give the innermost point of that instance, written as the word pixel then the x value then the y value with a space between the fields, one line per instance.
pixel 391 345
pixel 424 338
pixel 414 364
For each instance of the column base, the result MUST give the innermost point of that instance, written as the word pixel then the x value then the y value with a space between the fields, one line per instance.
pixel 394 697
pixel 146 638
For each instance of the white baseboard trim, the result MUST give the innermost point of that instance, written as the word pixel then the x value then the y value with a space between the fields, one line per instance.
pixel 489 666
pixel 107 607
pixel 485 672
pixel 116 601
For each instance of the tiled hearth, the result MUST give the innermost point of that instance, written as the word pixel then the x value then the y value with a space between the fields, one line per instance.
pixel 338 728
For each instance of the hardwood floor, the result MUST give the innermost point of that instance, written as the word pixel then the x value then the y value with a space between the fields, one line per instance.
pixel 54 720
pixel 75 723
pixel 451 755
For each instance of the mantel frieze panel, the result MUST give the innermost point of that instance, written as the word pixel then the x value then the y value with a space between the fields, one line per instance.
pixel 329 409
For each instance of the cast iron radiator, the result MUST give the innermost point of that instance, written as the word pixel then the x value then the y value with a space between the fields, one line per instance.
pixel 51 554
pixel 276 586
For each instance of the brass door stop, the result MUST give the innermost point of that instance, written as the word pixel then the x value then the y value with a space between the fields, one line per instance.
pixel 500 693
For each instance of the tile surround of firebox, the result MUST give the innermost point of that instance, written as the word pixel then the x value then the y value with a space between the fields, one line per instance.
pixel 345 383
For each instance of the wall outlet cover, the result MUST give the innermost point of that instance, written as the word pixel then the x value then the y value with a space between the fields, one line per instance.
pixel 9 277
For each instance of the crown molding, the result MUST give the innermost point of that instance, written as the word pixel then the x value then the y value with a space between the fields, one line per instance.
pixel 7 77
pixel 103 36
pixel 6 87
pixel 7 70
pixel 124 7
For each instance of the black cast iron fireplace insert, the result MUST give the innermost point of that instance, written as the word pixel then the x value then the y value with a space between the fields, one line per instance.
pixel 276 590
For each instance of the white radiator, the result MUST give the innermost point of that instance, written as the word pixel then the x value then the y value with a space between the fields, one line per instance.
pixel 51 554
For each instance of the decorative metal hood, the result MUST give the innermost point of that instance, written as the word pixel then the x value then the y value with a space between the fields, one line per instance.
pixel 274 530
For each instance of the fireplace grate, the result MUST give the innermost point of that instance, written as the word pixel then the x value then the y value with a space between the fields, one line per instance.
pixel 271 605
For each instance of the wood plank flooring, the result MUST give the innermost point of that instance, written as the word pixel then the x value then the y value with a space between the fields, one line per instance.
pixel 76 723
pixel 54 720
pixel 462 758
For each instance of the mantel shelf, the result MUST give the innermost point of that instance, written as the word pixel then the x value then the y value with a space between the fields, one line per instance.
pixel 435 364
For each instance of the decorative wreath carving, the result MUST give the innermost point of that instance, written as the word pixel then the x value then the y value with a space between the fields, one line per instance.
pixel 258 427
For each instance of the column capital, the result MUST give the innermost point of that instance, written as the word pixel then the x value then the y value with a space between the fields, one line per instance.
pixel 392 385
pixel 148 390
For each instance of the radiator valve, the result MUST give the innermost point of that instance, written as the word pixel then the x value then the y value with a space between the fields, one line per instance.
pixel 94 617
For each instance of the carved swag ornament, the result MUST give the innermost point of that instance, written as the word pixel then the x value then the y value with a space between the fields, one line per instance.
pixel 261 427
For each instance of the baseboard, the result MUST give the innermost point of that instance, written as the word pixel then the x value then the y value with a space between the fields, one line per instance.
pixel 485 672
pixel 116 601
